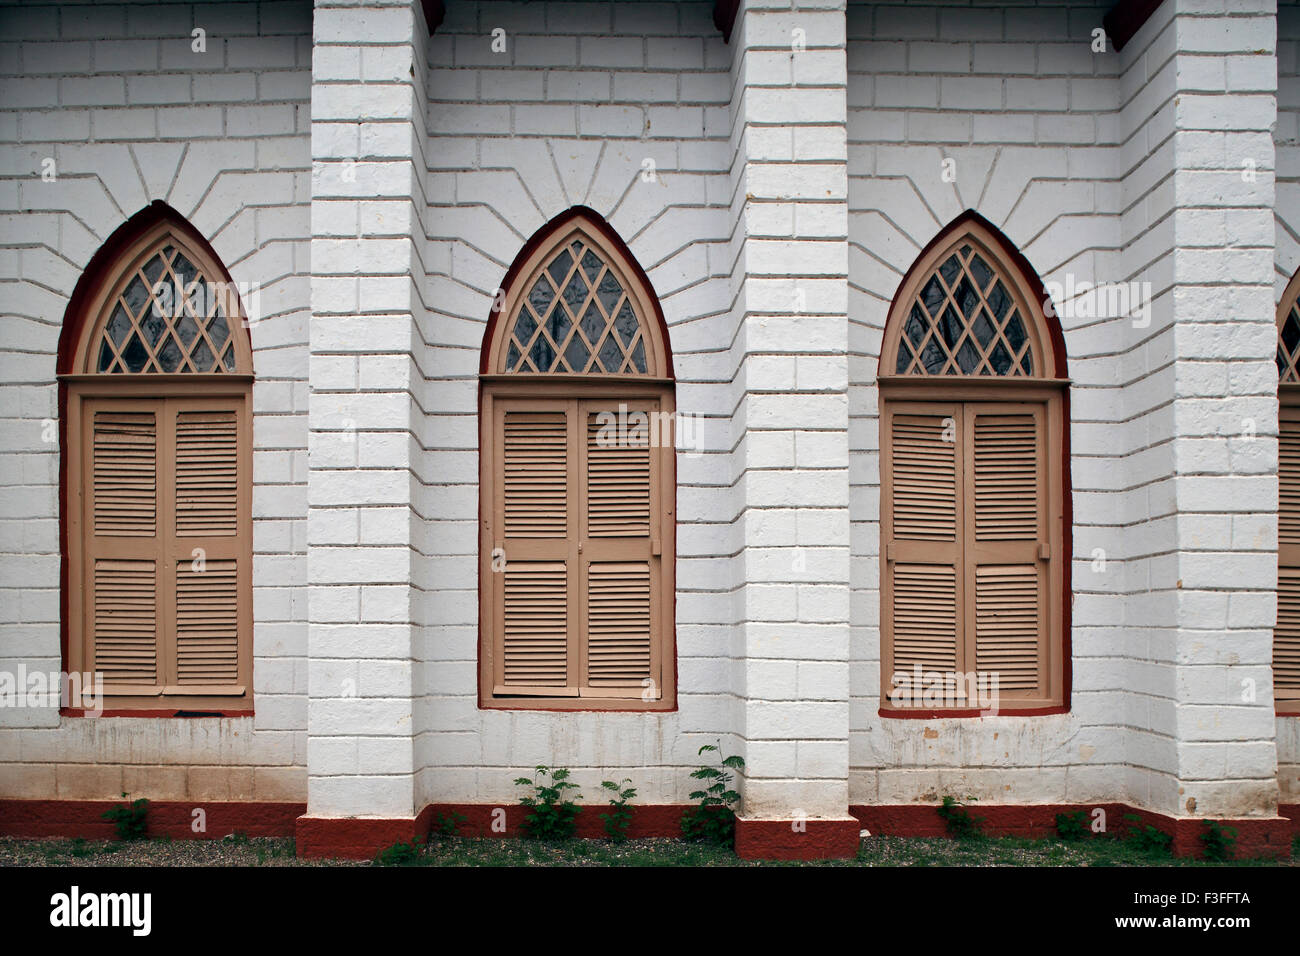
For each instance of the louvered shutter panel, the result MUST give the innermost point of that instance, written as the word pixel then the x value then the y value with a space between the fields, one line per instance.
pixel 922 545
pixel 122 545
pixel 620 602
pixel 1286 634
pixel 207 558
pixel 535 631
pixel 1007 548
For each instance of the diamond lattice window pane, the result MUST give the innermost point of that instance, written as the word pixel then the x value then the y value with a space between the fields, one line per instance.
pixel 963 321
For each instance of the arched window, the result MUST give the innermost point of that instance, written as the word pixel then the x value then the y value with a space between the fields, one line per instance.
pixel 1286 635
pixel 156 373
pixel 577 488
pixel 974 593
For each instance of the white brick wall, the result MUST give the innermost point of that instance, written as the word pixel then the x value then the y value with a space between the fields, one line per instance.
pixel 129 113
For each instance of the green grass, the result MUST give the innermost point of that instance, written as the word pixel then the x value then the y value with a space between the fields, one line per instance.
pixel 239 850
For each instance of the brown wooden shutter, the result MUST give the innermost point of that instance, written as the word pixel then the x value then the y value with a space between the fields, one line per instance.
pixel 166 552
pixel 1007 547
pixel 619 550
pixel 122 546
pixel 1286 634
pixel 532 577
pixel 922 542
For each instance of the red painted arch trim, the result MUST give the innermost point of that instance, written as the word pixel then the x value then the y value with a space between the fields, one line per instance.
pixel 1126 18
pixel 1050 323
pixel 607 232
pixel 724 17
pixel 434 11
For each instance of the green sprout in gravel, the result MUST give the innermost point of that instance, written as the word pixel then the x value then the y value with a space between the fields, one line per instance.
pixel 713 820
pixel 130 820
pixel 552 815
pixel 620 811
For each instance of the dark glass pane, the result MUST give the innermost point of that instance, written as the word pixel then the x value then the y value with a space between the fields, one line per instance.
pixel 999 301
pixel 199 296
pixel 981 273
pixel 167 252
pixel 965 252
pixel 169 356
pixel 951 326
pixel 575 292
pixel 592 324
pixel 185 271
pixel 136 296
pixel 968 357
pixel 638 357
pixel 153 269
pixel 118 325
pixel 950 270
pixel 1000 359
pixel 153 325
pixel 1281 361
pixel 559 267
pixel 1027 363
pixel 525 326
pixel 611 356
pixel 542 354
pixel 116 369
pixel 625 323
pixel 512 357
pixel 1290 333
pixel 202 357
pixel 135 354
pixel 187 330
pixel 106 356
pixel 932 295
pixel 228 359
pixel 904 358
pixel 541 295
pixel 576 248
pixel 1015 332
pixel 983 329
pixel 217 331
pixel 591 265
pixel 558 325
pixel 609 292
pixel 577 354
pixel 932 357
pixel 967 298
pixel 917 323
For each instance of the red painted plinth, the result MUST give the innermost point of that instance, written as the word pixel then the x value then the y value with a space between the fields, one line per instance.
pixel 797 839
pixel 169 818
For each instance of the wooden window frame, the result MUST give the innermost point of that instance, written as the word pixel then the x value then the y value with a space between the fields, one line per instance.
pixel 1048 388
pixel 1288 397
pixel 81 390
pixel 498 387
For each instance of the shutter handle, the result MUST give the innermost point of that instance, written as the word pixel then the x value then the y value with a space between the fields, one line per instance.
pixel 889 551
pixel 1044 550
pixel 580 544
pixel 654 547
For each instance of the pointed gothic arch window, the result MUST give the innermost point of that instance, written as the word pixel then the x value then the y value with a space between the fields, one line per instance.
pixel 974 606
pixel 1286 633
pixel 156 378
pixel 577 489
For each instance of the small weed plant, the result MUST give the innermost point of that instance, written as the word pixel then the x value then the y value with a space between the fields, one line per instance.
pixel 713 819
pixel 552 815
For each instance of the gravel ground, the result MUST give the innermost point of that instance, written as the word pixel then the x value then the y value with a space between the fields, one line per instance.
pixel 452 851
